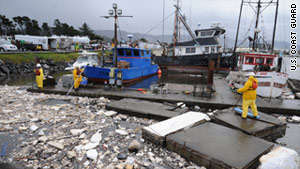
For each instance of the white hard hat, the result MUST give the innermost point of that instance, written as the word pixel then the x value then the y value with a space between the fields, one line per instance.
pixel 38 65
pixel 251 74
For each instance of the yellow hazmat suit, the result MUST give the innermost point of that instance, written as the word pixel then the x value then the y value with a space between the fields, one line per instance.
pixel 39 77
pixel 249 96
pixel 77 77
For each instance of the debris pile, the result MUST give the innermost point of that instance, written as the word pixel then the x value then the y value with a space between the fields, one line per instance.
pixel 55 131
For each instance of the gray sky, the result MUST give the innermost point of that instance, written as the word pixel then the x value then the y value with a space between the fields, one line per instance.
pixel 148 13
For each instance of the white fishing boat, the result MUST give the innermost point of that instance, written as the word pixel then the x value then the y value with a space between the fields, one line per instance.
pixel 85 58
pixel 267 66
pixel 271 81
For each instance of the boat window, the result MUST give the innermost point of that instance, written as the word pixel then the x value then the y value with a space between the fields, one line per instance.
pixel 207 33
pixel 142 53
pixel 190 50
pixel 147 52
pixel 260 60
pixel 136 53
pixel 206 49
pixel 187 50
pixel 94 57
pixel 82 59
pixel 128 52
pixel 193 50
pixel 249 59
pixel 121 52
pixel 213 49
pixel 269 61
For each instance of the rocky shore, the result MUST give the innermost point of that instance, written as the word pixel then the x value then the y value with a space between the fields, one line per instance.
pixel 55 131
pixel 9 68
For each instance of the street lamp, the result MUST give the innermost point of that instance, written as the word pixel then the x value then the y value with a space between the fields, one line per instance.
pixel 115 12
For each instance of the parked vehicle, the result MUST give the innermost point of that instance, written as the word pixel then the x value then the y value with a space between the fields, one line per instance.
pixel 5 45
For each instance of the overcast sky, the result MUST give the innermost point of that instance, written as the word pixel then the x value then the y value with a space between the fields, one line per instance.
pixel 148 13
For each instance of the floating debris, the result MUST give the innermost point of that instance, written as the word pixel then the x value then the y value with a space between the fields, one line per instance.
pixel 56 131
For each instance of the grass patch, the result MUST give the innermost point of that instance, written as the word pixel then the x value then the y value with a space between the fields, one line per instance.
pixel 29 57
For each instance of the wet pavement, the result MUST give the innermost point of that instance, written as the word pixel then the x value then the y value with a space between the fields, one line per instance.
pixel 216 146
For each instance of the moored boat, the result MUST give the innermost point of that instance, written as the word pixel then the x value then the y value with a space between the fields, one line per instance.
pixel 85 58
pixel 266 65
pixel 270 82
pixel 132 64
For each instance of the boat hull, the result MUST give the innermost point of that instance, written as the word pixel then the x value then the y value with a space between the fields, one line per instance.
pixel 192 62
pixel 270 83
pixel 100 74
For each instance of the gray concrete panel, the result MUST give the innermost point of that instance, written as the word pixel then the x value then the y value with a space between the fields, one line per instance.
pixel 215 146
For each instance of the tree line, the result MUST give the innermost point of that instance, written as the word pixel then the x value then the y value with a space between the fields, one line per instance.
pixel 26 26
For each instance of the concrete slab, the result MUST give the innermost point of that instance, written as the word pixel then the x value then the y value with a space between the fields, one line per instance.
pixel 156 133
pixel 218 147
pixel 265 118
pixel 264 127
pixel 143 108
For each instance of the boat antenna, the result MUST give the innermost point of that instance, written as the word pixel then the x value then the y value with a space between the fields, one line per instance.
pixel 115 13
pixel 275 23
pixel 236 38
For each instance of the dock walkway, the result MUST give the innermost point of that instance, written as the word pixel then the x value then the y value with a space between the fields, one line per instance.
pixel 222 98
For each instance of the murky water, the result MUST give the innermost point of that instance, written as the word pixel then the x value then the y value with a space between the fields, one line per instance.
pixel 22 80
pixel 292 137
pixel 165 77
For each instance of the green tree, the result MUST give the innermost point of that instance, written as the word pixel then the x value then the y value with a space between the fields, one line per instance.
pixel 7 27
pixel 32 27
pixel 57 30
pixel 45 30
pixel 22 21
pixel 86 30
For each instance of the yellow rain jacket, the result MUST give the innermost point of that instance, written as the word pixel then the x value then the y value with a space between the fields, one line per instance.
pixel 39 78
pixel 248 92
pixel 75 76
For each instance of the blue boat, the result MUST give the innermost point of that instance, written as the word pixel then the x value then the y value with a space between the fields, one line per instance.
pixel 135 64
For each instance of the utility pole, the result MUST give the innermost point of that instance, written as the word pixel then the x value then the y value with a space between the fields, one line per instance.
pixel 275 23
pixel 115 12
pixel 254 45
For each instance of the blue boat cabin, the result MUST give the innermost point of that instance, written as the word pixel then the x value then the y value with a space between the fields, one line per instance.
pixel 136 57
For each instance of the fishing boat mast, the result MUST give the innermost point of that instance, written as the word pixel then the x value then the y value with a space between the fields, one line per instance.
pixel 275 24
pixel 115 13
pixel 176 26
pixel 256 31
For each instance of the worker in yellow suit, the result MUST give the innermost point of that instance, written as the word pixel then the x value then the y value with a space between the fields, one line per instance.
pixel 249 95
pixel 77 77
pixel 39 76
pixel 76 46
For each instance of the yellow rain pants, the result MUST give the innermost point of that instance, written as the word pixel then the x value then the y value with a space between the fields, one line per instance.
pixel 246 104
